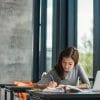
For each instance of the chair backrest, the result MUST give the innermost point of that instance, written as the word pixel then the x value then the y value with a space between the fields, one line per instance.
pixel 43 74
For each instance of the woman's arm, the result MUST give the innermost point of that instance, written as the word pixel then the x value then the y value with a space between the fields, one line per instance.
pixel 49 80
pixel 84 81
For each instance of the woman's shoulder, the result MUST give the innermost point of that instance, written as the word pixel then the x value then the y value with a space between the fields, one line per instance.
pixel 52 71
pixel 78 67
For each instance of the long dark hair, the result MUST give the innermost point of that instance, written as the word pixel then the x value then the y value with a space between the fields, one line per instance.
pixel 68 52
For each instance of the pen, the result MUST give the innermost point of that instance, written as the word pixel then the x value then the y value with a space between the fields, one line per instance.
pixel 52 79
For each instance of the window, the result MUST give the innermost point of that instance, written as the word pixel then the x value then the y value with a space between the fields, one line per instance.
pixel 85 34
pixel 49 35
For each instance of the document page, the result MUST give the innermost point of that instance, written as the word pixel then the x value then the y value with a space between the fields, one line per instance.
pixel 73 88
pixel 49 89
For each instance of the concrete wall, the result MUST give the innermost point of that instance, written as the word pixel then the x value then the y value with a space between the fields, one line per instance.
pixel 15 40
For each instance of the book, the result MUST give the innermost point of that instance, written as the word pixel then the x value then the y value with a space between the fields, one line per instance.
pixel 73 88
pixel 50 89
pixel 64 89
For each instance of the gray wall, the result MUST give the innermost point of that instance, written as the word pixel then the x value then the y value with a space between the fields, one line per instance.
pixel 15 40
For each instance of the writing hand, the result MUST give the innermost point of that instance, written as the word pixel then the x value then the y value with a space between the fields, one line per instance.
pixel 52 84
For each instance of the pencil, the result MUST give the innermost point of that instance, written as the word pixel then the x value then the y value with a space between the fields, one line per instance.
pixel 52 79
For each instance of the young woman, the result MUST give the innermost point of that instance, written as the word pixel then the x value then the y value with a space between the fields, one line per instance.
pixel 67 71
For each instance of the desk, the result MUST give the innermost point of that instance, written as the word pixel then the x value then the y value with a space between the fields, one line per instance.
pixel 63 96
pixel 2 86
pixel 15 89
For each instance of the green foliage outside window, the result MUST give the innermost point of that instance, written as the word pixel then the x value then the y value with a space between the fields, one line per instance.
pixel 86 57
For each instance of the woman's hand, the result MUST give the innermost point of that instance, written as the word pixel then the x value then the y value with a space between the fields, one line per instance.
pixel 61 86
pixel 83 86
pixel 52 84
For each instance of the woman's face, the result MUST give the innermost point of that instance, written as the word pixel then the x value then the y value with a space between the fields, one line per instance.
pixel 67 64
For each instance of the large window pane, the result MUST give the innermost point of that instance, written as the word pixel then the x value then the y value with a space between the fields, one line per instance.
pixel 49 34
pixel 85 34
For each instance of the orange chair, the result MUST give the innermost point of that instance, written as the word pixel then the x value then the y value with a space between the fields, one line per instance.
pixel 23 96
